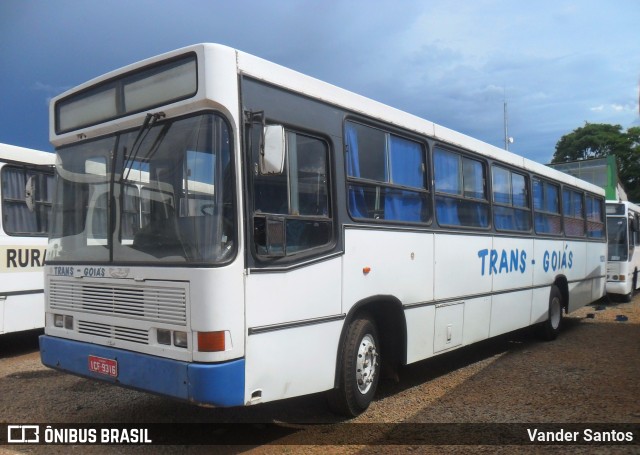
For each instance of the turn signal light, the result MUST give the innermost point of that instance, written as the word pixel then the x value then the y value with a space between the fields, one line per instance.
pixel 211 341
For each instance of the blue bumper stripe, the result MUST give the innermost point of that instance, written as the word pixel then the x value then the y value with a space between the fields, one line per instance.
pixel 217 384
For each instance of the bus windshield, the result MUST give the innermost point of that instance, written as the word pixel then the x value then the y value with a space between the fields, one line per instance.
pixel 617 238
pixel 163 193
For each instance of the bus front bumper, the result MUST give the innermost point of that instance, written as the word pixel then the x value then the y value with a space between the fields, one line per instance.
pixel 617 287
pixel 219 384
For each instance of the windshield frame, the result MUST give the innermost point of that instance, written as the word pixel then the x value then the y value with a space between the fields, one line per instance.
pixel 218 253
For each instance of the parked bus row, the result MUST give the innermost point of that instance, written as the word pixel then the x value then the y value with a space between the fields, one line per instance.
pixel 256 234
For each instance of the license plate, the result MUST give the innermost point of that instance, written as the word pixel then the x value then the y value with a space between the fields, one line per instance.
pixel 100 365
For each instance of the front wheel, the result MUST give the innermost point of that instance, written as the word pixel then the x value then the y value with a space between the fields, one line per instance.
pixel 550 328
pixel 359 369
pixel 634 283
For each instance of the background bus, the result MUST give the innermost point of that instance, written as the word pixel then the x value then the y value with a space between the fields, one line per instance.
pixel 296 237
pixel 26 189
pixel 623 260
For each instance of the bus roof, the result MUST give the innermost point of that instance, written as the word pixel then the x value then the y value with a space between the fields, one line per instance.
pixel 258 68
pixel 276 74
pixel 628 204
pixel 15 154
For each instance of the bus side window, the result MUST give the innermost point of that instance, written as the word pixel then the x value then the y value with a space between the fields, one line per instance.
pixel 512 210
pixel 546 205
pixel 19 218
pixel 387 175
pixel 595 219
pixel 461 198
pixel 291 209
pixel 572 209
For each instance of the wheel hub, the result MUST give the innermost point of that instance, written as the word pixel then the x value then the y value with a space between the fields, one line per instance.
pixel 366 364
pixel 556 313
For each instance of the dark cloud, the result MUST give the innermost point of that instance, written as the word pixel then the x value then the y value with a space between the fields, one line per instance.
pixel 558 63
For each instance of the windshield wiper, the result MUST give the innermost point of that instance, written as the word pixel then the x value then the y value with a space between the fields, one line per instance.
pixel 149 121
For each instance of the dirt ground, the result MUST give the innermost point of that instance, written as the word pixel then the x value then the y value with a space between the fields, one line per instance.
pixel 588 377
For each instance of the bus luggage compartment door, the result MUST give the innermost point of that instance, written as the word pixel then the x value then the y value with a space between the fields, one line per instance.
pixel 448 326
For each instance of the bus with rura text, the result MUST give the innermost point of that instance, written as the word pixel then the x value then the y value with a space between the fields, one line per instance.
pixel 26 191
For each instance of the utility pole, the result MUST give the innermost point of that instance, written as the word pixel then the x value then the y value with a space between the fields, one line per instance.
pixel 507 140
pixel 506 134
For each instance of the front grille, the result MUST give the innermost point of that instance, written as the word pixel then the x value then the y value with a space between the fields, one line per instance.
pixel 166 303
pixel 114 332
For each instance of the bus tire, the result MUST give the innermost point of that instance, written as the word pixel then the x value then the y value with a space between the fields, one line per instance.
pixel 549 329
pixel 634 282
pixel 359 369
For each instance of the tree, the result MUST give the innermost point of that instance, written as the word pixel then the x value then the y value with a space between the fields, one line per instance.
pixel 630 165
pixel 598 140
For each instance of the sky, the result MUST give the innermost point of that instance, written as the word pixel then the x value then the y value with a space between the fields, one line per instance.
pixel 556 63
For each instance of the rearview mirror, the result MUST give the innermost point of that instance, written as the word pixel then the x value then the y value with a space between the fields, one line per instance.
pixel 273 150
pixel 30 192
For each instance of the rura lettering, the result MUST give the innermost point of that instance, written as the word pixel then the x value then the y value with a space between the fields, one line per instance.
pixel 20 258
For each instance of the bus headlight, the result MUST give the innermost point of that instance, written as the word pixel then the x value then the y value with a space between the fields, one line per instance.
pixel 180 339
pixel 61 320
pixel 163 336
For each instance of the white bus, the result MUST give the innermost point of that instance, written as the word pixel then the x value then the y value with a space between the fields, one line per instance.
pixel 26 190
pixel 338 236
pixel 623 234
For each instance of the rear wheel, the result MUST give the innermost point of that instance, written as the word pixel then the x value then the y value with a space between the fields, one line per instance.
pixel 359 369
pixel 550 328
pixel 634 283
